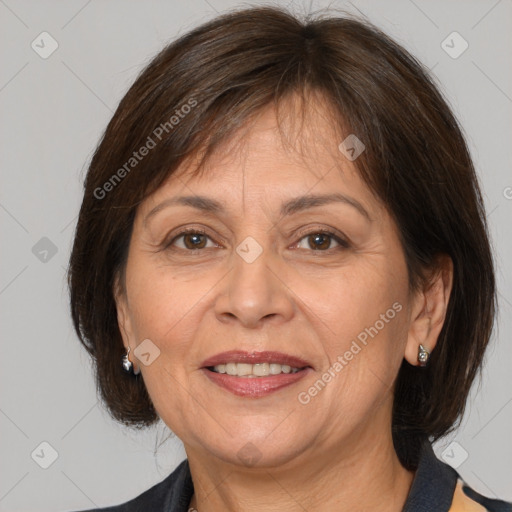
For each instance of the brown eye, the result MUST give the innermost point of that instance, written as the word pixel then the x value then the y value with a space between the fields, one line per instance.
pixel 319 241
pixel 192 240
pixel 322 241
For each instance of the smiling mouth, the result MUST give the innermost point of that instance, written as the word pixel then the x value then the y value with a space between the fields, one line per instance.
pixel 254 370
pixel 255 374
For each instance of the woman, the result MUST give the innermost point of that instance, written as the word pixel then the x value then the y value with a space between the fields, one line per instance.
pixel 282 253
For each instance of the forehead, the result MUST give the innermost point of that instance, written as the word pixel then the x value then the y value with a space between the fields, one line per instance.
pixel 275 154
pixel 298 129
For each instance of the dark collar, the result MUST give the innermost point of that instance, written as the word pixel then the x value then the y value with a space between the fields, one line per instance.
pixel 182 489
pixel 432 488
pixel 433 485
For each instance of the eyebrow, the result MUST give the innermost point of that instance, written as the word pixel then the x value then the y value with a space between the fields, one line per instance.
pixel 288 208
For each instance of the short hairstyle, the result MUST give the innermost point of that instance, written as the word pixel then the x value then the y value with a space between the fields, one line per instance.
pixel 200 88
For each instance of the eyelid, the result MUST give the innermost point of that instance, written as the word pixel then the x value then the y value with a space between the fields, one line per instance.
pixel 180 232
pixel 298 235
pixel 342 239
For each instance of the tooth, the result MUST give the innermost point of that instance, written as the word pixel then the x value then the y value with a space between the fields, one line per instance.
pixel 256 370
pixel 275 369
pixel 231 369
pixel 243 369
pixel 261 369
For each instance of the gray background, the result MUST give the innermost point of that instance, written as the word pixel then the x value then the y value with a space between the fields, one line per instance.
pixel 53 112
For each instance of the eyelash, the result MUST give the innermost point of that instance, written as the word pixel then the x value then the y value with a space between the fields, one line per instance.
pixel 343 244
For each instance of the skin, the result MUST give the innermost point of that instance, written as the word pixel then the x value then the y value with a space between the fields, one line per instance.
pixel 335 452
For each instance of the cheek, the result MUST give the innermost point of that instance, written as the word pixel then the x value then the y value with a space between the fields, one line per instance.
pixel 164 309
pixel 160 300
pixel 367 315
pixel 365 347
pixel 364 305
pixel 374 315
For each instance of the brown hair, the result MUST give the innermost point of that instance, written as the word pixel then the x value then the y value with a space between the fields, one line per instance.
pixel 198 90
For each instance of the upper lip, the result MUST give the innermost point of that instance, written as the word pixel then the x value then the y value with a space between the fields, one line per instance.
pixel 239 356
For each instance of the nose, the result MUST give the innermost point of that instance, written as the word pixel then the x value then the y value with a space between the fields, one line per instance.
pixel 254 293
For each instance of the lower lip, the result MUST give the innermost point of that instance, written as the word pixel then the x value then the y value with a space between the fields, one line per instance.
pixel 255 387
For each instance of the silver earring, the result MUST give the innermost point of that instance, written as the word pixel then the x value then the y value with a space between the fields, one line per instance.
pixel 423 355
pixel 128 365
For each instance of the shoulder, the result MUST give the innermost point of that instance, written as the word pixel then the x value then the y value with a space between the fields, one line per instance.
pixel 172 494
pixel 437 486
pixel 467 499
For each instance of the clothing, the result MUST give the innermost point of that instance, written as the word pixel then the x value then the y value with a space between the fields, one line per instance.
pixel 436 487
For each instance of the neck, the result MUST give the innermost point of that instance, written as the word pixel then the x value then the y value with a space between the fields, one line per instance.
pixel 366 476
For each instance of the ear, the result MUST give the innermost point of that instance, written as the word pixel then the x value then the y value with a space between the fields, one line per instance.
pixel 429 310
pixel 124 321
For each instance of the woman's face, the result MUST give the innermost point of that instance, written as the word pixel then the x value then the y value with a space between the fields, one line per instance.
pixel 263 275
